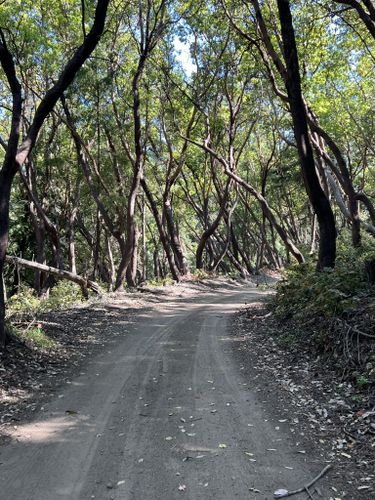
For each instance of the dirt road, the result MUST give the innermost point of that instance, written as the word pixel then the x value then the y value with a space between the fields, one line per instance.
pixel 164 413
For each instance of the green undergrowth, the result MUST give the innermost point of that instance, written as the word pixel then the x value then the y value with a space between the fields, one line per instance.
pixel 304 293
pixel 25 302
pixel 200 274
pixel 160 282
pixel 24 307
pixel 35 336
pixel 331 312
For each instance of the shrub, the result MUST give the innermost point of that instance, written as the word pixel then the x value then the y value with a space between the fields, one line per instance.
pixel 303 292
pixel 62 295
pixel 160 282
pixel 199 274
pixel 24 302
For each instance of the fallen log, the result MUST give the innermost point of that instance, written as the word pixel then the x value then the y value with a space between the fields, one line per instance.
pixel 84 283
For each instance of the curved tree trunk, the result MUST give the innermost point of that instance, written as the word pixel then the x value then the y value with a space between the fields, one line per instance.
pixel 162 233
pixel 212 228
pixel 318 199
pixel 5 188
pixel 131 271
pixel 16 156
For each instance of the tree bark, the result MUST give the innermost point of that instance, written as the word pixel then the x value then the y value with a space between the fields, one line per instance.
pixel 368 18
pixel 75 278
pixel 175 239
pixel 212 228
pixel 162 233
pixel 5 188
pixel 370 271
pixel 319 201
pixel 131 271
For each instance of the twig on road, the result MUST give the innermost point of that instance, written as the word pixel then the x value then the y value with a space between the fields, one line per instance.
pixel 286 493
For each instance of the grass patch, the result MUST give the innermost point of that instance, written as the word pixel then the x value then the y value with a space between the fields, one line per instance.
pixel 36 337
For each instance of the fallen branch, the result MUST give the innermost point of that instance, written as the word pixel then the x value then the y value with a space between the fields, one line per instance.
pixel 355 330
pixel 286 493
pixel 262 316
pixel 84 283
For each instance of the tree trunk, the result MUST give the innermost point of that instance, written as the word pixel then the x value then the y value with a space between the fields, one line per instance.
pixel 16 156
pixel 112 275
pixel 131 271
pixel 174 239
pixel 96 248
pixel 370 207
pixel 212 228
pixel 71 243
pixel 2 306
pixel 229 232
pixel 75 278
pixel 156 266
pixel 313 235
pixel 39 231
pixel 319 201
pixel 5 188
pixel 121 270
pixel 342 174
pixel 370 271
pixel 238 251
pixel 162 233
pixel 144 242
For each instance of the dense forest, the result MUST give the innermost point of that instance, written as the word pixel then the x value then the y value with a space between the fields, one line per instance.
pixel 145 141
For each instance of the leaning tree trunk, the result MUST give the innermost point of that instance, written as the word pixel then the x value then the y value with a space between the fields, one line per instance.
pixel 112 273
pixel 72 244
pixel 121 269
pixel 40 234
pixel 209 231
pixel 131 271
pixel 318 199
pixel 370 271
pixel 162 233
pixel 84 283
pixel 137 174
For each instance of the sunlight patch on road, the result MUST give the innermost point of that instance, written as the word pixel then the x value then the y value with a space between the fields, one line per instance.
pixel 54 430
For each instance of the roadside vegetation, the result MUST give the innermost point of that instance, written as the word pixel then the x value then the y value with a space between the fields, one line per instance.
pixel 25 308
pixel 332 312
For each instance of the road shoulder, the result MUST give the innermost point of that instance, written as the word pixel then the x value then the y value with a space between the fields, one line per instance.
pixel 311 400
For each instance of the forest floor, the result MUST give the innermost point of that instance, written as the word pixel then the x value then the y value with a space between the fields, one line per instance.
pixel 173 392
pixel 321 407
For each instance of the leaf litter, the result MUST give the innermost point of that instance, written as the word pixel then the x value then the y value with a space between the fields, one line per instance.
pixel 327 410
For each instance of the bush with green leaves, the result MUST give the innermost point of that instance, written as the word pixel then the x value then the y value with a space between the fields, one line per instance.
pixel 160 282
pixel 23 302
pixel 304 292
pixel 199 274
pixel 64 294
